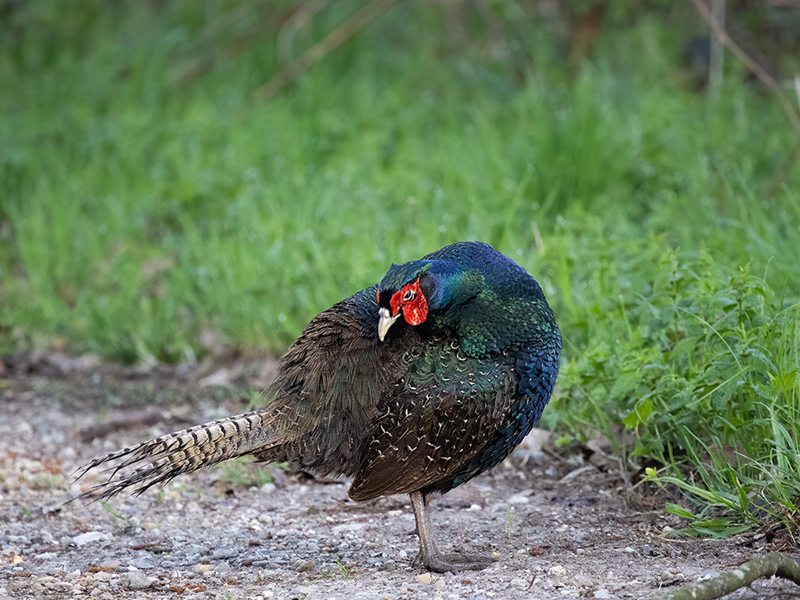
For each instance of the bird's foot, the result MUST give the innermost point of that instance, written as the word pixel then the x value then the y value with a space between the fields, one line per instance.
pixel 453 563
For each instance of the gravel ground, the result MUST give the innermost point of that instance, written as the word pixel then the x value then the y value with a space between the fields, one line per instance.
pixel 559 528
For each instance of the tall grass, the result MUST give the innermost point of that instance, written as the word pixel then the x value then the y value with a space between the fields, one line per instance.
pixel 138 210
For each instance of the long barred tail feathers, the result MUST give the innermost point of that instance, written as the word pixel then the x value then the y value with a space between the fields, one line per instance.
pixel 161 459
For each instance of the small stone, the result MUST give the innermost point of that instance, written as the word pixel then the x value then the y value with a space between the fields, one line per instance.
pixel 203 568
pixel 303 566
pixel 495 555
pixel 557 570
pixel 142 563
pixel 425 578
pixel 518 499
pixel 225 552
pixel 402 554
pixel 520 583
pixel 601 594
pixel 89 537
pixel 109 565
pixel 138 580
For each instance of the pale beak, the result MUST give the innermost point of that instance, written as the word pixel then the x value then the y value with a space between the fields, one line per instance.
pixel 385 322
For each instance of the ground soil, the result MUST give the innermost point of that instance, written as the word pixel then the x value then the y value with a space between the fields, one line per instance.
pixel 559 526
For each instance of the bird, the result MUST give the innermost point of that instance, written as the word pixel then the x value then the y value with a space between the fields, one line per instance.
pixel 413 385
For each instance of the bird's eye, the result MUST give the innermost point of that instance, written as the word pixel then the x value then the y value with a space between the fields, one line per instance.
pixel 409 296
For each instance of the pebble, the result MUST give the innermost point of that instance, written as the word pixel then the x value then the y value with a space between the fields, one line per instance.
pixel 89 537
pixel 520 583
pixel 138 580
pixel 557 570
pixel 601 594
pixel 225 552
pixel 302 566
pixel 142 563
pixel 425 578
pixel 46 556
pixel 203 568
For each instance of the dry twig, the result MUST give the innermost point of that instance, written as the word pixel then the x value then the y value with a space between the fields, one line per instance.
pixel 767 79
pixel 292 26
pixel 319 50
pixel 751 64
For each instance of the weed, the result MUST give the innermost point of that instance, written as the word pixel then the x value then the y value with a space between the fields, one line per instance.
pixel 345 571
pixel 241 473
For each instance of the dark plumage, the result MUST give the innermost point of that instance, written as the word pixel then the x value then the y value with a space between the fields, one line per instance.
pixel 415 385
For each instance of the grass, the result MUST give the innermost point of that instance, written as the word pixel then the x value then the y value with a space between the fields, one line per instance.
pixel 138 212
pixel 236 473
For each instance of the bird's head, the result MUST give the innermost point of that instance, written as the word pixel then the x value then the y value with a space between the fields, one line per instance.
pixel 415 289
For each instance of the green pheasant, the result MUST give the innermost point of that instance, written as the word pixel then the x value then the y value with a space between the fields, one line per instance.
pixel 412 386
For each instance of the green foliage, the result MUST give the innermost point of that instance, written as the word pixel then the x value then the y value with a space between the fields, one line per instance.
pixel 702 367
pixel 240 472
pixel 140 209
pixel 345 571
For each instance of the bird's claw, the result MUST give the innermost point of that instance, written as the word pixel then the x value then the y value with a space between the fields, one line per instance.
pixel 453 563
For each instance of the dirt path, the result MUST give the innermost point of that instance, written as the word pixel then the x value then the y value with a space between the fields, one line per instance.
pixel 231 533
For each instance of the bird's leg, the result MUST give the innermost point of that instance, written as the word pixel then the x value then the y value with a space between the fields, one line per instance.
pixel 429 555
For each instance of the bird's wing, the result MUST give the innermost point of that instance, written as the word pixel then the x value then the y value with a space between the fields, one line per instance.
pixel 438 418
pixel 329 384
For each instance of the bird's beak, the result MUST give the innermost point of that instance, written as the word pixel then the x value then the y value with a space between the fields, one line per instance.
pixel 385 321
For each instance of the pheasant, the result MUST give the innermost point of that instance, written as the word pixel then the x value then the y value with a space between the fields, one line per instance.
pixel 412 386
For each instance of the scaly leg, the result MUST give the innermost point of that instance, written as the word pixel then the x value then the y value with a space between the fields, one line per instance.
pixel 429 555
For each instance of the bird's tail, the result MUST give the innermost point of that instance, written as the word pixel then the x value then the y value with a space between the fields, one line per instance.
pixel 159 460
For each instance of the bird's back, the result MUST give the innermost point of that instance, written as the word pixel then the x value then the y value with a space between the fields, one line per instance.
pixel 429 408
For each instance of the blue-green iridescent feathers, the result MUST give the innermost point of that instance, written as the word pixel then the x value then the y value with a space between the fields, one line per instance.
pixel 477 381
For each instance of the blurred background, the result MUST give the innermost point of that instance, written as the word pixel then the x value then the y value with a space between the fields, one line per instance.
pixel 179 175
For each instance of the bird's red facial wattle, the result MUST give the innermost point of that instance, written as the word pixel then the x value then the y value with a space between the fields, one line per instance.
pixel 408 301
pixel 413 303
